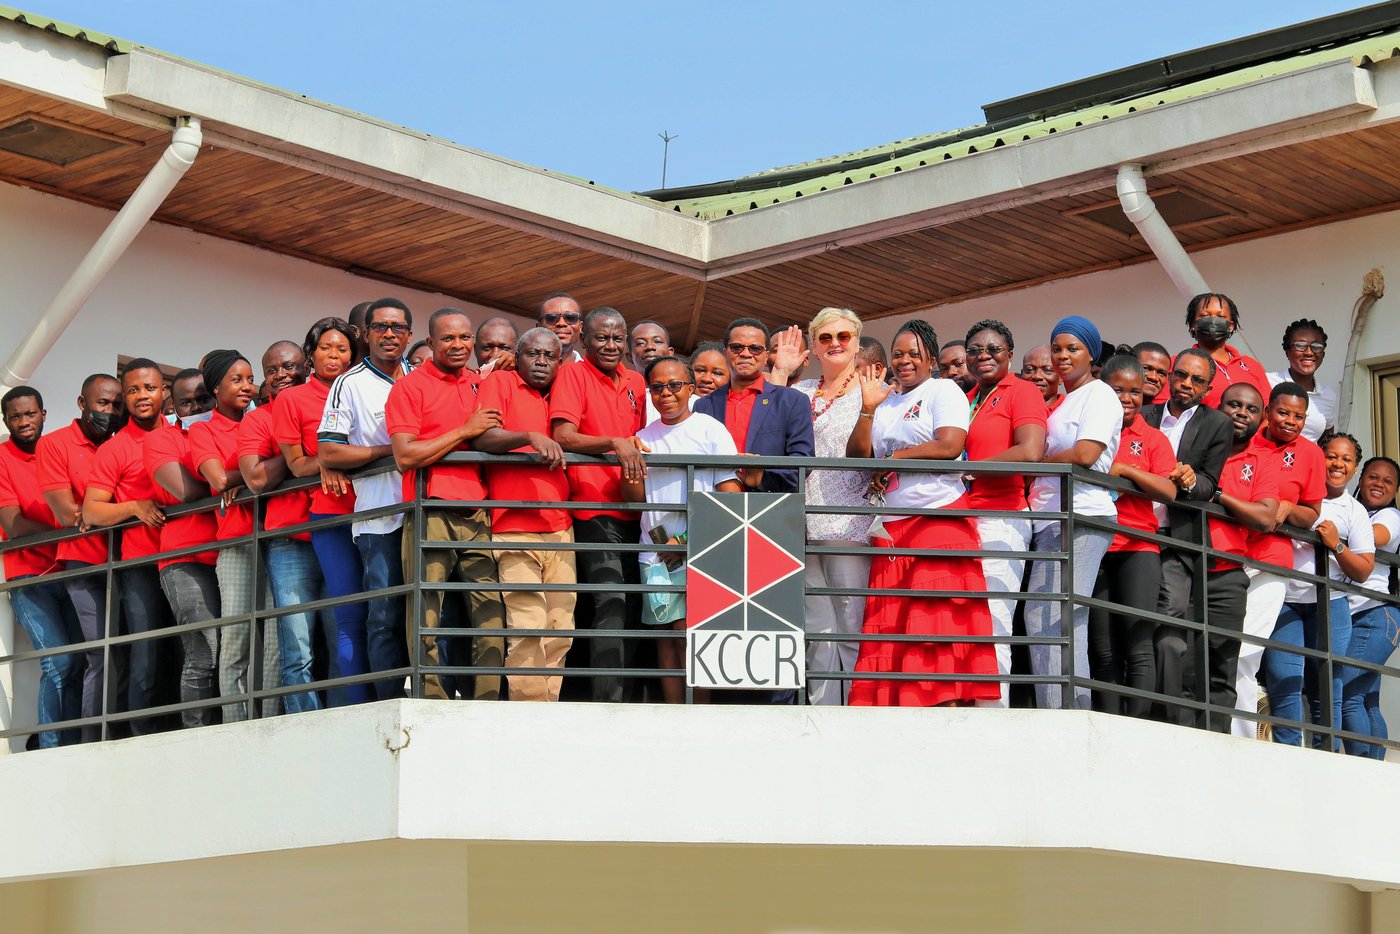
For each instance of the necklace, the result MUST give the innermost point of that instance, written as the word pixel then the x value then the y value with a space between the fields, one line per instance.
pixel 821 404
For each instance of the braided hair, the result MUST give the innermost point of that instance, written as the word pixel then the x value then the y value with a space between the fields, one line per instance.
pixel 1302 324
pixel 1330 436
pixel 924 333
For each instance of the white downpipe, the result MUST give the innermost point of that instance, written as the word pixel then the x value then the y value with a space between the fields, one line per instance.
pixel 173 163
pixel 1372 290
pixel 1142 211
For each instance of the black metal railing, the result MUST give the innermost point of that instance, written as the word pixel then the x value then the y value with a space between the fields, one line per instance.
pixel 110 719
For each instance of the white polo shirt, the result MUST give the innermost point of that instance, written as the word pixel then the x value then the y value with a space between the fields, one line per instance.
pixel 1322 404
pixel 354 414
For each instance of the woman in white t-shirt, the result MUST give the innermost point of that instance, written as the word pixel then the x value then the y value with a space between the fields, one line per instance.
pixel 1083 430
pixel 1375 624
pixel 925 419
pixel 1305 346
pixel 1345 529
pixel 676 430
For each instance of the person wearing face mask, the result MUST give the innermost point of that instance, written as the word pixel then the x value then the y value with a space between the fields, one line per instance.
pixel 193 406
pixel 1302 486
pixel 42 608
pixel 120 488
pixel 1345 530
pixel 1212 318
pixel 1375 624
pixel 1082 431
pixel 189 581
pixel 63 463
pixel 214 448
pixel 1305 346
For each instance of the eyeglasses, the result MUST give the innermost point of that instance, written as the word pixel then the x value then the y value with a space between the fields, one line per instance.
pixel 754 350
pixel 384 327
pixel 1197 381
pixel 840 337
pixel 1314 346
pixel 674 387
pixel 552 318
pixel 991 350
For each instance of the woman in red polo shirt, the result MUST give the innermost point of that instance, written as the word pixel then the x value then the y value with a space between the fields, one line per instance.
pixel 331 347
pixel 927 419
pixel 1213 319
pixel 214 443
pixel 1008 424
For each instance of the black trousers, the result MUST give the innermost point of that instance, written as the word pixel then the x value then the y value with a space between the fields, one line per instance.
pixel 1120 644
pixel 1181 672
pixel 611 609
pixel 154 663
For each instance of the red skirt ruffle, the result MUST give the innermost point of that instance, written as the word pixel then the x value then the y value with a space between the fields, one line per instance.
pixel 968 616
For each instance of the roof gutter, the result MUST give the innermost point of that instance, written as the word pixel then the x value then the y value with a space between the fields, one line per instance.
pixel 129 221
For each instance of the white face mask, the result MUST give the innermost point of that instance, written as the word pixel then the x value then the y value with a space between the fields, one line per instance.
pixel 185 421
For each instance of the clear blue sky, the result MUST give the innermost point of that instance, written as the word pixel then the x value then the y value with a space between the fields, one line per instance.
pixel 584 87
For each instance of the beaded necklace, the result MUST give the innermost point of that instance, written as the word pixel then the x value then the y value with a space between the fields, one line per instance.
pixel 819 411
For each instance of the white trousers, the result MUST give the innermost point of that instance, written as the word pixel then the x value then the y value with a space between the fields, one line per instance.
pixel 1265 599
pixel 1003 576
pixel 836 615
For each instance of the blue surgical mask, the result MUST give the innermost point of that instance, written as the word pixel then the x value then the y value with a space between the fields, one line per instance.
pixel 185 421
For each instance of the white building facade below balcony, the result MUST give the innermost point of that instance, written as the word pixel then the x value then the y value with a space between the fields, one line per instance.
pixel 608 818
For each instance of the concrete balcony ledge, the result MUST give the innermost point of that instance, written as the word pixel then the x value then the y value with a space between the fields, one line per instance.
pixel 423 770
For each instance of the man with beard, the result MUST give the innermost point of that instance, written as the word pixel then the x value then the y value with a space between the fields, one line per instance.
pixel 352 435
pixel 1248 489
pixel 42 608
pixel 120 488
pixel 1037 368
pixel 563 315
pixel 292 570
pixel 522 398
pixel 429 414
pixel 1200 438
pixel 952 364
pixel 63 461
pixel 597 407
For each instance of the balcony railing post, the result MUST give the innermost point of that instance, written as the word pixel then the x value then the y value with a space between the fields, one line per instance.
pixel 1200 612
pixel 110 679
pixel 415 599
pixel 1067 656
pixel 1324 644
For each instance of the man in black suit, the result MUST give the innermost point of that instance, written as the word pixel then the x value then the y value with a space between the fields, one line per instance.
pixel 1202 439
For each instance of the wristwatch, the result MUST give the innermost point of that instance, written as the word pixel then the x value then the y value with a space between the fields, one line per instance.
pixel 1339 548
pixel 1215 495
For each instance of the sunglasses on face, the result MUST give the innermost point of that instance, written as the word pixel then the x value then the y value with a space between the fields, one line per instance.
pixel 1197 381
pixel 1314 346
pixel 991 350
pixel 568 317
pixel 674 387
pixel 840 337
pixel 753 349
pixel 384 327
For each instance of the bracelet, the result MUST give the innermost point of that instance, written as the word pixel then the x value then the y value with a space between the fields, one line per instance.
pixel 864 415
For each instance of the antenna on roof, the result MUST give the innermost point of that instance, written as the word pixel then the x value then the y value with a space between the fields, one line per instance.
pixel 665 152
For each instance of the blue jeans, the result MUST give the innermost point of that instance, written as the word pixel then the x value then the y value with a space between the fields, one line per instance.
pixel 47 615
pixel 295 578
pixel 1374 635
pixel 382 557
pixel 1288 677
pixel 344 574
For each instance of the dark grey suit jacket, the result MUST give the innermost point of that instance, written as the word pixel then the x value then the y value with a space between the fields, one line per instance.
pixel 1205 444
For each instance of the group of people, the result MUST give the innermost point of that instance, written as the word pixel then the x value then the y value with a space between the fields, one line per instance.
pixel 1207 424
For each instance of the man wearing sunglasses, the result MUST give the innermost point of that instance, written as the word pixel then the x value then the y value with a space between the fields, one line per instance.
pixel 762 418
pixel 1202 439
pixel 563 315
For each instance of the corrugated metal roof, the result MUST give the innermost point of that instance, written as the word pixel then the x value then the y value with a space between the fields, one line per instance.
pixel 1364 52
pixel 110 43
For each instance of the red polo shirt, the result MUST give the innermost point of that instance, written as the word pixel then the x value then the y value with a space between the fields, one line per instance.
pixel 120 469
pixel 217 440
pixel 523 409
pixel 588 397
pixel 738 412
pixel 19 486
pixel 428 403
pixel 1052 405
pixel 1013 402
pixel 295 420
pixel 172 446
pixel 1249 475
pixel 1144 447
pixel 64 459
pixel 1302 478
pixel 255 439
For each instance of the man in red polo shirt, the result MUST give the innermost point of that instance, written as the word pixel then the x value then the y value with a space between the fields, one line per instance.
pixel 522 397
pixel 63 460
pixel 119 490
pixel 43 609
pixel 597 406
pixel 430 413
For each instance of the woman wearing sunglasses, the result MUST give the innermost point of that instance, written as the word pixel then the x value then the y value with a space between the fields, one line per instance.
pixel 1305 346
pixel 836 399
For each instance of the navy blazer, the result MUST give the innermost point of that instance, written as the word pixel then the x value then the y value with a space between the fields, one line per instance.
pixel 781 425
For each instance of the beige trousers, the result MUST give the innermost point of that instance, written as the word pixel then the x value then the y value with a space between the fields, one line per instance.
pixel 533 609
